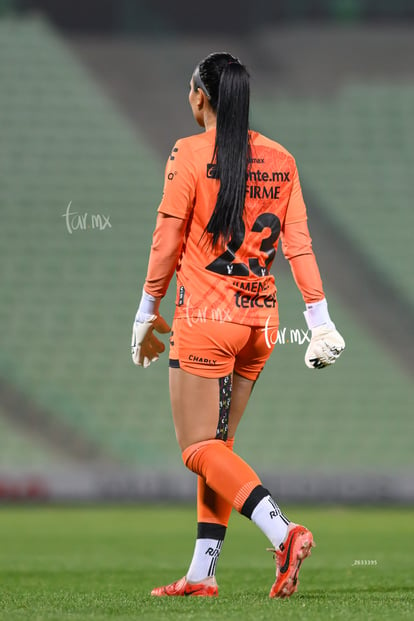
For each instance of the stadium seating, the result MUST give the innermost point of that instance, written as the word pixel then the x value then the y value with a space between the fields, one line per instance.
pixel 68 299
pixel 355 151
pixel 19 450
pixel 69 294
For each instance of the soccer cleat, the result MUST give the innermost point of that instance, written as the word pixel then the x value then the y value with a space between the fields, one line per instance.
pixel 183 588
pixel 297 546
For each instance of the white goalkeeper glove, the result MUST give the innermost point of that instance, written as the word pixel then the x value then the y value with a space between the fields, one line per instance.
pixel 326 344
pixel 145 347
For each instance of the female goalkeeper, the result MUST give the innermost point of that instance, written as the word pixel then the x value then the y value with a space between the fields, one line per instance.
pixel 229 195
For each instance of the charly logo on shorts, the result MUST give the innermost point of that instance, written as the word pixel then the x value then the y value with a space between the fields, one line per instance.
pixel 201 360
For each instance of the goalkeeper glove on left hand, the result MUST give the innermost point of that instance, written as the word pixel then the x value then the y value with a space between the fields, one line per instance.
pixel 326 344
pixel 325 347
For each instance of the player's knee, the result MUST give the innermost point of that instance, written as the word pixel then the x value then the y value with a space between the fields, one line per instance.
pixel 195 456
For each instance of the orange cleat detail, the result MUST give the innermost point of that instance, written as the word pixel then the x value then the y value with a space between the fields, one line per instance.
pixel 297 546
pixel 183 588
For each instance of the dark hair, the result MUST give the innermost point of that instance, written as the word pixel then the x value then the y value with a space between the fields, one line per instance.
pixel 225 81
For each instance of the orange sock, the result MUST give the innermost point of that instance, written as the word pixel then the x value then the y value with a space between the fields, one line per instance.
pixel 223 471
pixel 211 507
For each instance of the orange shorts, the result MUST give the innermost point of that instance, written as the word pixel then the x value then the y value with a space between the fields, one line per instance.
pixel 216 349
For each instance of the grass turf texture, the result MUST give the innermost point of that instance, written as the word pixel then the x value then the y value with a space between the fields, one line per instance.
pixel 101 563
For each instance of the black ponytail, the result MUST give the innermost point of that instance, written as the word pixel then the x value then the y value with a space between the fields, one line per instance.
pixel 226 82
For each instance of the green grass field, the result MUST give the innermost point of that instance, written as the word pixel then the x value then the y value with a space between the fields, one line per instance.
pixel 101 563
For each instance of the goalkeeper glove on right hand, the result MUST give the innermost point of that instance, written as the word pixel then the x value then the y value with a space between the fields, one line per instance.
pixel 145 347
pixel 326 344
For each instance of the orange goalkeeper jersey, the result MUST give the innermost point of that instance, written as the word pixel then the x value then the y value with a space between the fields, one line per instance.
pixel 230 283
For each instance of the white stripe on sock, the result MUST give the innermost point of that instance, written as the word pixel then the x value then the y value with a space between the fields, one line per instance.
pixel 204 561
pixel 271 521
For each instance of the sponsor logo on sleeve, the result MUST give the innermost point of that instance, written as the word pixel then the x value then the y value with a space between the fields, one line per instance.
pixel 173 152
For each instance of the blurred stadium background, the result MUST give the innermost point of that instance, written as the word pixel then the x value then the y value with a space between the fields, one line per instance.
pixel 93 95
